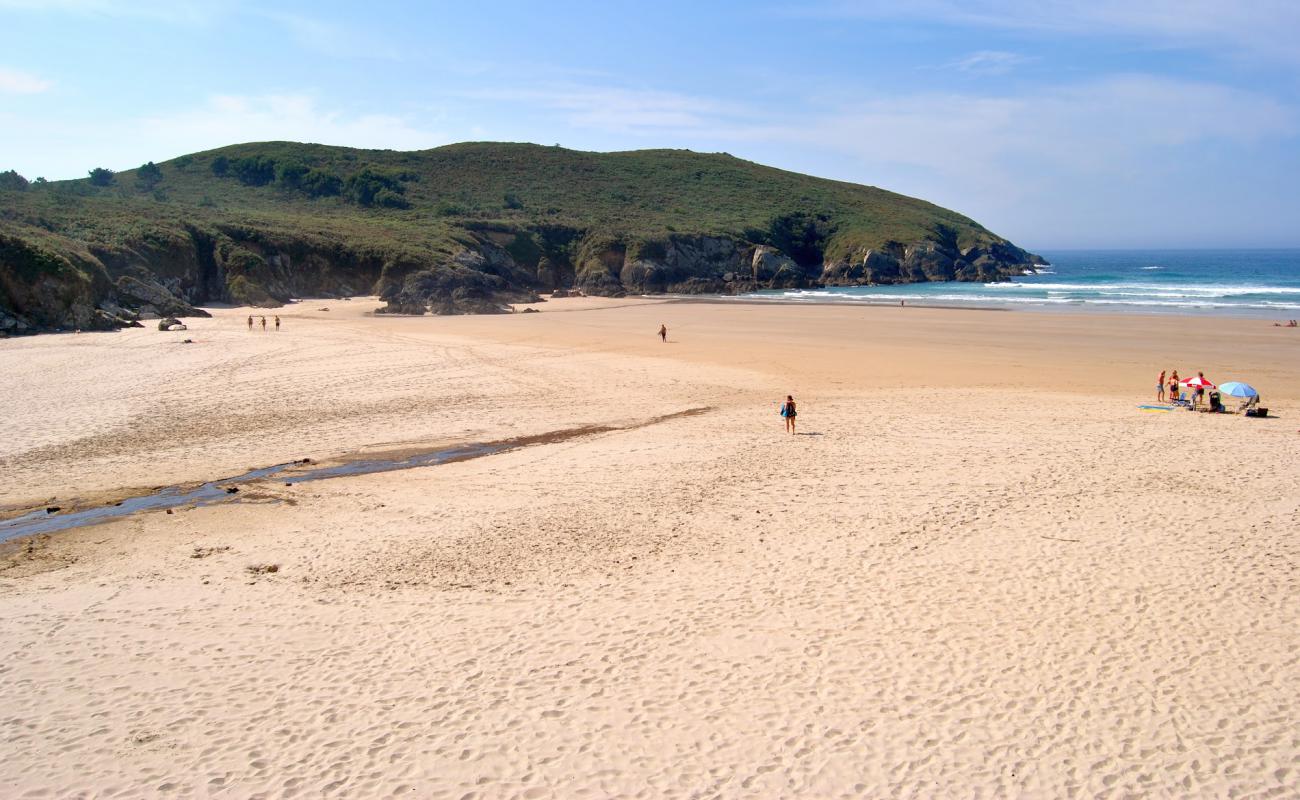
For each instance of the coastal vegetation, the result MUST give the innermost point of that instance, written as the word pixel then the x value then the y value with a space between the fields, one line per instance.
pixel 461 228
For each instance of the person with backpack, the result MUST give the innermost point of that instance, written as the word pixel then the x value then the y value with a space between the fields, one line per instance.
pixel 789 411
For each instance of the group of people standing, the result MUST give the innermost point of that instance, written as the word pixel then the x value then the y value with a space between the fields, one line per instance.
pixel 250 322
pixel 1198 390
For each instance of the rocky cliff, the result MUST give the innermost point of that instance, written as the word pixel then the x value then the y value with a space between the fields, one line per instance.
pixel 461 229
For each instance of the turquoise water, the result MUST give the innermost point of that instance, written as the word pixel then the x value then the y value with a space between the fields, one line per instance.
pixel 1258 283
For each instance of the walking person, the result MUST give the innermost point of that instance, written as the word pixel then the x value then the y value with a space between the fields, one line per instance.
pixel 789 411
pixel 263 324
pixel 1160 387
pixel 663 333
pixel 277 327
pixel 250 322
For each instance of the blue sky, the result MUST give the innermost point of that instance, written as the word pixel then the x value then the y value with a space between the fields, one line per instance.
pixel 1056 124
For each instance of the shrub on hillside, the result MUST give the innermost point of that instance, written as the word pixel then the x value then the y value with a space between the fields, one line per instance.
pixel 373 188
pixel 10 179
pixel 312 182
pixel 318 183
pixel 291 173
pixel 148 175
pixel 99 176
pixel 254 170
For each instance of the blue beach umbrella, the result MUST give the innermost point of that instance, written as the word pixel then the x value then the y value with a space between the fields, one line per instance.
pixel 1238 389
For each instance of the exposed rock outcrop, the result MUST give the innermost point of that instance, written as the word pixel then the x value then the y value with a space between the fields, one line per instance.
pixel 485 280
pixel 104 288
pixel 152 299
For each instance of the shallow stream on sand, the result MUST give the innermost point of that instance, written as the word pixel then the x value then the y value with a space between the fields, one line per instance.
pixel 226 490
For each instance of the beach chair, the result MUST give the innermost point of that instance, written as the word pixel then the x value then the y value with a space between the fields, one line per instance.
pixel 1181 400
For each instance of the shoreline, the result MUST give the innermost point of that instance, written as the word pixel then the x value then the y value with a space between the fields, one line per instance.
pixel 1079 307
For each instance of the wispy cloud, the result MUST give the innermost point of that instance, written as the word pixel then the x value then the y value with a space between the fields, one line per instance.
pixel 13 81
pixel 330 38
pixel 59 148
pixel 1265 29
pixel 176 11
pixel 295 117
pixel 620 110
pixel 989 62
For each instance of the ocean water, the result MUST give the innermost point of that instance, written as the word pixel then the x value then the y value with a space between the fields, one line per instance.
pixel 1257 283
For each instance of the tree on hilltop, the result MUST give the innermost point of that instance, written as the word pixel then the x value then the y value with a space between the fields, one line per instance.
pixel 148 175
pixel 10 179
pixel 99 176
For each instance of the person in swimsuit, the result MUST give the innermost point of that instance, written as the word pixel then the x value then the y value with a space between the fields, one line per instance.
pixel 789 411
pixel 663 333
pixel 1160 387
pixel 263 323
pixel 250 322
pixel 1199 396
pixel 277 324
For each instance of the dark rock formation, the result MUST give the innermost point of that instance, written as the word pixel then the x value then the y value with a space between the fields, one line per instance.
pixel 113 288
pixel 722 265
pixel 481 281
pixel 67 287
pixel 153 299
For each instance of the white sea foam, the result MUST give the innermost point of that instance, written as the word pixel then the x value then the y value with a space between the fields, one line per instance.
pixel 1205 290
pixel 1137 301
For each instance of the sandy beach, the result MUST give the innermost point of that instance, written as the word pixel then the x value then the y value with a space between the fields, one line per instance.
pixel 978 571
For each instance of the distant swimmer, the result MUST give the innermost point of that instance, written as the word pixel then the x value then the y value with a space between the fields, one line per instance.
pixel 789 411
pixel 663 333
pixel 250 322
pixel 263 323
pixel 277 322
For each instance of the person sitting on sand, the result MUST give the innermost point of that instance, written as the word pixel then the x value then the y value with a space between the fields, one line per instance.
pixel 789 412
pixel 1160 387
pixel 663 333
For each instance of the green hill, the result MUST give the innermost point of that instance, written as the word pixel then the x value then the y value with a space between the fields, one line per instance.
pixel 456 229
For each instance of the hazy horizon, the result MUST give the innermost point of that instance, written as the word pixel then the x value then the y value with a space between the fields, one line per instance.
pixel 1116 126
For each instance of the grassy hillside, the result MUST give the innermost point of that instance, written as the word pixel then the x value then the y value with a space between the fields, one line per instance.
pixel 385 214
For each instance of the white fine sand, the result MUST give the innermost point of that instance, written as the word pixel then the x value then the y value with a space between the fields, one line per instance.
pixel 981 571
